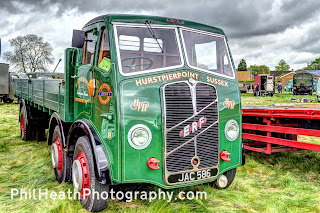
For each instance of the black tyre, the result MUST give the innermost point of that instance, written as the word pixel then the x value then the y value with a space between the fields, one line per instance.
pixel 40 134
pixel 84 178
pixel 318 98
pixel 225 180
pixel 60 162
pixel 26 131
pixel 8 100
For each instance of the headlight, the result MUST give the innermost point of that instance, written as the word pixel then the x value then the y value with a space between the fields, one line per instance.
pixel 231 130
pixel 139 136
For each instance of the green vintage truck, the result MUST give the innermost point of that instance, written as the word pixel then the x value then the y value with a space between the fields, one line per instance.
pixel 144 100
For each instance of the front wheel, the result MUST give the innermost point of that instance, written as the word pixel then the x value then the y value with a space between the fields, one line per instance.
pixel 225 180
pixel 318 98
pixel 85 180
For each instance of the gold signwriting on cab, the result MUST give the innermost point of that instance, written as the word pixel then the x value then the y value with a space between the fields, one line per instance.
pixel 217 81
pixel 168 77
pixel 139 106
pixel 229 104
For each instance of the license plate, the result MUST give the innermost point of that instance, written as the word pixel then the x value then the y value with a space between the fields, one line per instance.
pixel 192 176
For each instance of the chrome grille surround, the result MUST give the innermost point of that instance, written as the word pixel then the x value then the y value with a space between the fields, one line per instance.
pixel 186 102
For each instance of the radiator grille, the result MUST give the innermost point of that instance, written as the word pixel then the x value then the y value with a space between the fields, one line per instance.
pixel 186 105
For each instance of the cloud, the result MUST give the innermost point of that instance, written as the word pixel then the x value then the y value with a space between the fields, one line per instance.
pixel 262 32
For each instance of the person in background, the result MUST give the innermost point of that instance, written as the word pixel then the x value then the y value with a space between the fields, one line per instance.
pixel 257 90
pixel 279 87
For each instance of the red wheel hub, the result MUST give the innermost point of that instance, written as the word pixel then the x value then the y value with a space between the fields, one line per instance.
pixel 22 125
pixel 60 155
pixel 85 172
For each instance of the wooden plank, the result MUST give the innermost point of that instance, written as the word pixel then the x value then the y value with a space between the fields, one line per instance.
pixel 280 129
pixel 283 142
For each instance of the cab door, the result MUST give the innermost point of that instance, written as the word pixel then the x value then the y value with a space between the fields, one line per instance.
pixel 83 74
pixel 270 84
pixel 104 96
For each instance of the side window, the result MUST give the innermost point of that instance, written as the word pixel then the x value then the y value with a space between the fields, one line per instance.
pixel 89 46
pixel 104 52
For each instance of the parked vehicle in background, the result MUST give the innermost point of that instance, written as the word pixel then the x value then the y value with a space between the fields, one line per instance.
pixel 302 83
pixel 158 113
pixel 7 84
pixel 4 83
pixel 266 84
pixel 315 85
pixel 318 91
pixel 288 87
pixel 243 87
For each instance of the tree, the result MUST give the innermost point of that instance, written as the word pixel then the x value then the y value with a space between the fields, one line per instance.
pixel 30 54
pixel 282 66
pixel 242 66
pixel 313 65
pixel 259 69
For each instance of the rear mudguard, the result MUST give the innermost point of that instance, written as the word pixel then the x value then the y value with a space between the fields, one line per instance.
pixel 24 107
pixel 55 120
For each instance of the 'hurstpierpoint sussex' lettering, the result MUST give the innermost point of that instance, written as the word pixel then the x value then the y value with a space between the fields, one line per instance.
pixel 168 77
pixel 217 81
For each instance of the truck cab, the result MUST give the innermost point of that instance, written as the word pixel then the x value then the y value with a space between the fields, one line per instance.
pixel 266 84
pixel 302 83
pixel 156 98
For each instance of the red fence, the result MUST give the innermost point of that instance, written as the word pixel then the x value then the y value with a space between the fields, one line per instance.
pixel 271 129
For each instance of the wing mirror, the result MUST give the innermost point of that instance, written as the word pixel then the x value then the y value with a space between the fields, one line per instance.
pixel 78 38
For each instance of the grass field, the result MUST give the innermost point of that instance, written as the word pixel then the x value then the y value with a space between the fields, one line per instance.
pixel 283 182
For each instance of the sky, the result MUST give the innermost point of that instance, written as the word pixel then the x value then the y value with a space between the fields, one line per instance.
pixel 261 32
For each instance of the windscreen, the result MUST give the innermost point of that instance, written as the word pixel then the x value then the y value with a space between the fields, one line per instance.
pixel 207 52
pixel 303 79
pixel 147 48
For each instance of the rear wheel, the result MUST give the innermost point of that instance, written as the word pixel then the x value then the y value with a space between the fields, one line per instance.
pixel 25 126
pixel 60 162
pixel 84 178
pixel 225 180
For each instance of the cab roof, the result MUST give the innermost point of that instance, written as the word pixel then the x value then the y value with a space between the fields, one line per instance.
pixel 141 19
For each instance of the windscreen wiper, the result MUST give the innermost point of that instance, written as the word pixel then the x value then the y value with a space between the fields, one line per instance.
pixel 153 34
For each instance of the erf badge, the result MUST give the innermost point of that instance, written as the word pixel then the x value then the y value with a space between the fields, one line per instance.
pixel 139 106
pixel 104 93
pixel 229 104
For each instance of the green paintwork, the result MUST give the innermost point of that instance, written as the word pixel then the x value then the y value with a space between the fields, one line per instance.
pixel 126 163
